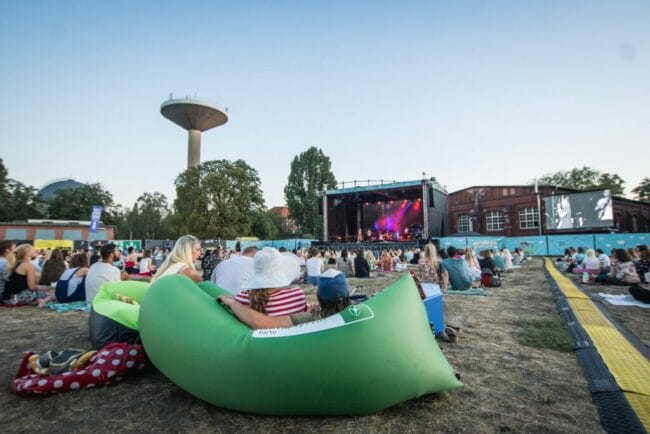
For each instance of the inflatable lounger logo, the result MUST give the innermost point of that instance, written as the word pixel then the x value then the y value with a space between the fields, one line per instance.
pixel 351 315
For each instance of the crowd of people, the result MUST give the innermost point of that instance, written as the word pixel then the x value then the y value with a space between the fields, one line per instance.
pixel 622 267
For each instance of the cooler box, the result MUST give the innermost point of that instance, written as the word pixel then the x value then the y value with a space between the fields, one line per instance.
pixel 433 306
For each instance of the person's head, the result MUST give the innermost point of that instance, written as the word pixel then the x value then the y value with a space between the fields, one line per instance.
pixel 632 252
pixel 643 251
pixel 621 255
pixel 344 254
pixel 469 254
pixel 56 256
pixel 147 253
pixel 313 252
pixel 23 252
pixel 572 250
pixel 282 249
pixel 6 248
pixel 599 252
pixel 187 249
pixel 79 260
pixel 607 193
pixel 487 254
pixel 129 250
pixel 333 293
pixel 451 251
pixel 250 251
pixel 581 250
pixel 430 251
pixel 442 253
pixel 590 253
pixel 272 270
pixel 370 255
pixel 108 252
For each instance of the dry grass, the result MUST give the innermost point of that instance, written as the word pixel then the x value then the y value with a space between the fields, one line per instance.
pixel 508 386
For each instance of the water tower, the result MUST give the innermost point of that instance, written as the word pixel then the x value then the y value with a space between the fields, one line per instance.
pixel 195 116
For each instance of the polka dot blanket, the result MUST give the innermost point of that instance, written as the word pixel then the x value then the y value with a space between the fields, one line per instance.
pixel 109 364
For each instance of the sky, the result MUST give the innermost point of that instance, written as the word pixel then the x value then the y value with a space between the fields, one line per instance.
pixel 470 92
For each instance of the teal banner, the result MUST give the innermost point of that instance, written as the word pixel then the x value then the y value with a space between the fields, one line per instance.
pixel 607 242
pixel 486 243
pixel 557 243
pixel 532 246
pixel 458 242
pixel 295 243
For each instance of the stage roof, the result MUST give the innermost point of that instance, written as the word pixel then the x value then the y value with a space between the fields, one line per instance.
pixel 378 187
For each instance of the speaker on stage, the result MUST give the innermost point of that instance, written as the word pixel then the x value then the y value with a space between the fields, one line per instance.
pixel 430 192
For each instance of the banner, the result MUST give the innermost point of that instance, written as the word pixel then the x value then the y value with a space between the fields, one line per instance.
pixel 486 243
pixel 295 243
pixel 125 244
pixel 607 242
pixel 53 244
pixel 557 243
pixel 458 242
pixel 532 246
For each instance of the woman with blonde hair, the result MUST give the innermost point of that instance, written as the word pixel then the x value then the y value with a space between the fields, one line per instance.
pixel 22 278
pixel 472 264
pixel 428 264
pixel 180 260
pixel 372 262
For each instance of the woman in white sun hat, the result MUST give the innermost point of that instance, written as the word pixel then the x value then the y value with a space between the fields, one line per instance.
pixel 267 291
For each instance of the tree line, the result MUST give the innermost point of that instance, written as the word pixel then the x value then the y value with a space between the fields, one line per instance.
pixel 223 199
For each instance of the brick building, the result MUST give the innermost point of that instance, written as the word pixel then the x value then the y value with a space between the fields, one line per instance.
pixel 287 225
pixel 53 230
pixel 512 210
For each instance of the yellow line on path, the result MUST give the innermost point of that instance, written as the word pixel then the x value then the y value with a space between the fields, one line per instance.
pixel 628 366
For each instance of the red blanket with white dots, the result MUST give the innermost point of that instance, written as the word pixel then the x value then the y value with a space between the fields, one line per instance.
pixel 107 365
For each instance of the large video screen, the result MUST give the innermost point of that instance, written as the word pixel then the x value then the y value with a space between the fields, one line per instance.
pixel 587 210
pixel 392 220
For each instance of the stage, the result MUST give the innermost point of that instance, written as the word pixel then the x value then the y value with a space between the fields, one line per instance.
pixel 391 214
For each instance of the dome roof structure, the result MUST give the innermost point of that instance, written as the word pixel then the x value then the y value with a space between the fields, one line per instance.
pixel 48 192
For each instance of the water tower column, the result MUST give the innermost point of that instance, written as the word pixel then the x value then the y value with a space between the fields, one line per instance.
pixel 193 148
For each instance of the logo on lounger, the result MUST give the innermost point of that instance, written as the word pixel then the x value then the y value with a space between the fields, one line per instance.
pixel 353 314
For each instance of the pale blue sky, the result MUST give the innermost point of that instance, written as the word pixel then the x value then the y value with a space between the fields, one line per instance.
pixel 493 92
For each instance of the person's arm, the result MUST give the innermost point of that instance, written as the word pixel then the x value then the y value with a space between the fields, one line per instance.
pixel 252 318
pixel 31 277
pixel 445 280
pixel 192 274
pixel 124 275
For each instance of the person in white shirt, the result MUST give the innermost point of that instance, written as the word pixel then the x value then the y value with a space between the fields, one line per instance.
pixel 233 272
pixel 315 266
pixel 103 271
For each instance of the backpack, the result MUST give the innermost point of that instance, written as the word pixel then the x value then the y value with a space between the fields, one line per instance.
pixel 61 291
pixel 488 280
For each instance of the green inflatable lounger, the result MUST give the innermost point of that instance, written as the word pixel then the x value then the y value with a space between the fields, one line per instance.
pixel 366 358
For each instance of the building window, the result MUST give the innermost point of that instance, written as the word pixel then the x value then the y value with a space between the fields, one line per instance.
pixel 528 218
pixel 72 234
pixel 44 234
pixel 99 235
pixel 463 223
pixel 494 220
pixel 16 234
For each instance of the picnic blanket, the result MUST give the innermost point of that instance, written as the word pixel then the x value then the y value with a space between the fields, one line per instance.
pixel 67 307
pixel 472 291
pixel 622 300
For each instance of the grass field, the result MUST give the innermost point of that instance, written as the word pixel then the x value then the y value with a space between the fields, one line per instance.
pixel 513 380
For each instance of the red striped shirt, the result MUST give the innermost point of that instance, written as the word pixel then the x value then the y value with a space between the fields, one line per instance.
pixel 282 302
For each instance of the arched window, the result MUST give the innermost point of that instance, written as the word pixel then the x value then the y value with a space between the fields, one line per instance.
pixel 494 220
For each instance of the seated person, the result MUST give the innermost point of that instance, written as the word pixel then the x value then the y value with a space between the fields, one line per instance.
pixel 498 260
pixel 314 265
pixel 488 263
pixel 180 260
pixel 456 272
pixel 131 261
pixel 332 294
pixel 590 264
pixel 507 260
pixel 386 261
pixel 72 284
pixel 473 264
pixel 605 262
pixel 428 265
pixel 361 265
pixel 266 291
pixel 53 268
pixel 21 286
pixel 623 272
pixel 146 267
pixel 345 264
pixel 643 262
pixel 234 271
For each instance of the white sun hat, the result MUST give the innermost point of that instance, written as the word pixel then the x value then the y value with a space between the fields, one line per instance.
pixel 272 269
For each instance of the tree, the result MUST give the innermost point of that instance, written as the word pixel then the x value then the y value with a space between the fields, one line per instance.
pixel 18 201
pixel 642 191
pixel 77 203
pixel 585 178
pixel 217 199
pixel 310 171
pixel 262 226
pixel 150 218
